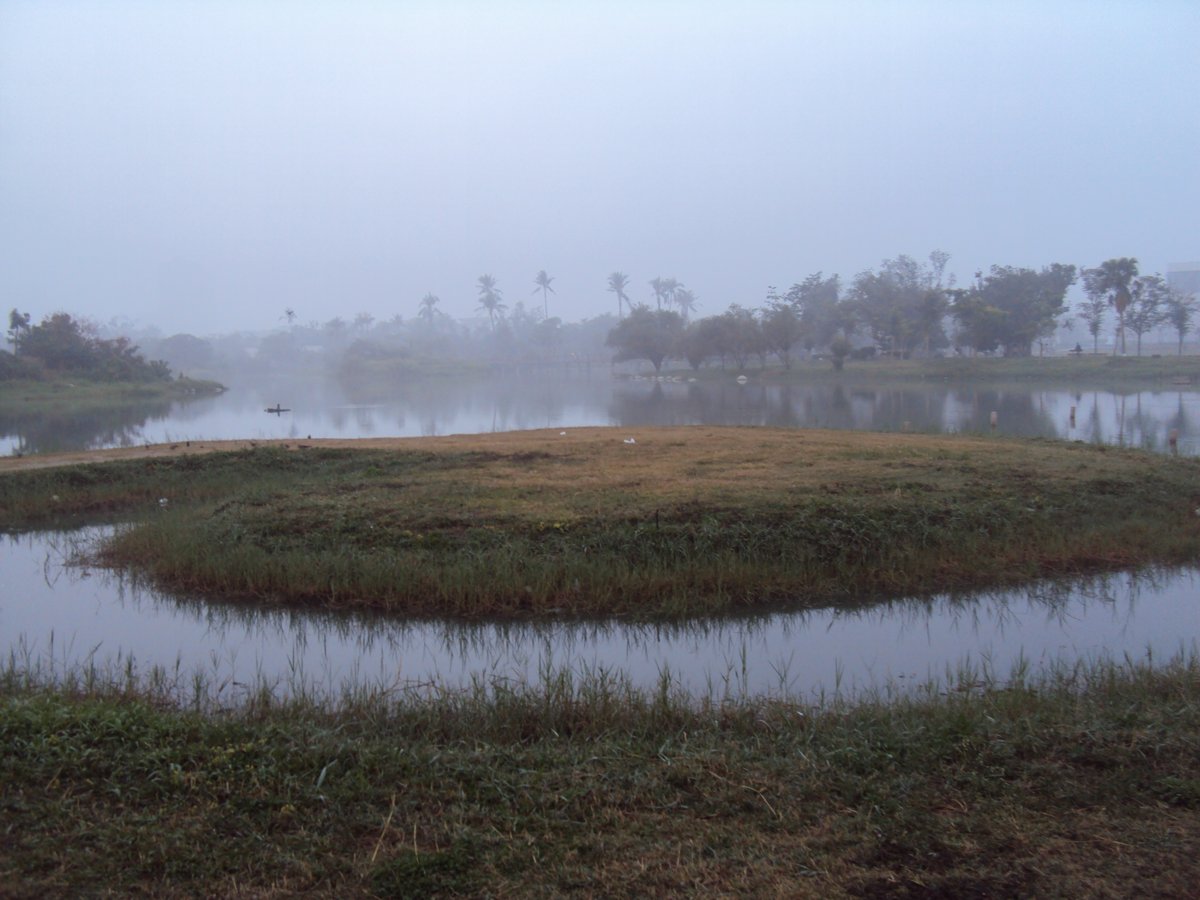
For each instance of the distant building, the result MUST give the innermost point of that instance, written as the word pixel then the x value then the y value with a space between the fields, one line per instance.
pixel 1184 277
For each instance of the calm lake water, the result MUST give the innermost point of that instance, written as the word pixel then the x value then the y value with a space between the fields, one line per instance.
pixel 55 614
pixel 327 409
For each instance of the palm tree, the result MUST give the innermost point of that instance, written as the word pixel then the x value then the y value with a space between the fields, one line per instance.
pixel 1111 279
pixel 428 308
pixel 659 286
pixel 542 280
pixel 489 298
pixel 685 300
pixel 617 282
pixel 664 290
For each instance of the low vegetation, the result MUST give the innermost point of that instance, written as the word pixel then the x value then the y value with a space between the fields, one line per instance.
pixel 48 396
pixel 649 522
pixel 1082 783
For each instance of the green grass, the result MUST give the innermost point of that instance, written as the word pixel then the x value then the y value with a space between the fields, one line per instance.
pixel 1084 782
pixel 686 521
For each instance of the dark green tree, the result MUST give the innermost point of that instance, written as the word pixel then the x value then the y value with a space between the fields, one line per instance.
pixel 1012 307
pixel 652 335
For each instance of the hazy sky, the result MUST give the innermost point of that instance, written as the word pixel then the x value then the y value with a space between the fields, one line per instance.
pixel 200 166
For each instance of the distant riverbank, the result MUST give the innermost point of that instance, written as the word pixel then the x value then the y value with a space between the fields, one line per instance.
pixel 1081 370
pixel 56 395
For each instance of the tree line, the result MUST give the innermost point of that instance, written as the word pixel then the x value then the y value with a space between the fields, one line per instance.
pixel 905 308
pixel 62 344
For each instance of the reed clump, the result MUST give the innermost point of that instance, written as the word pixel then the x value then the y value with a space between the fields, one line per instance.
pixel 680 521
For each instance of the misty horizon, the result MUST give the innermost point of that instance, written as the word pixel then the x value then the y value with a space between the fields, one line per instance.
pixel 201 168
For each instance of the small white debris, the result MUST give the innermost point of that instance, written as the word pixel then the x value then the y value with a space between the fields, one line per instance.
pixel 562 434
pixel 632 441
pixel 742 379
pixel 162 501
pixel 54 499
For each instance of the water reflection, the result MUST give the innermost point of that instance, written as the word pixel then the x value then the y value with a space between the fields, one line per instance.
pixel 73 614
pixel 506 403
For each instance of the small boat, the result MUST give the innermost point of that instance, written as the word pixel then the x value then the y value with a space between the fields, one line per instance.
pixel 277 409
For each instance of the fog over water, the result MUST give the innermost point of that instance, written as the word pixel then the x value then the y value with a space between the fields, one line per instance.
pixel 201 166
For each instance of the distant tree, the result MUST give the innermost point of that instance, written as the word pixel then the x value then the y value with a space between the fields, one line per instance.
pixel 664 291
pixel 1181 309
pixel 186 351
pixel 1147 305
pixel 289 316
pixel 700 341
pixel 62 343
pixel 1012 307
pixel 839 349
pixel 427 308
pixel 661 291
pixel 902 304
pixel 542 280
pixel 741 335
pixel 822 314
pixel 647 334
pixel 685 301
pixel 363 321
pixel 782 329
pixel 1111 280
pixel 489 298
pixel 1094 310
pixel 617 282
pixel 18 329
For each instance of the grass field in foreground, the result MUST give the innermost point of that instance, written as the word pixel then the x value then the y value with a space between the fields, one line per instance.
pixel 642 522
pixel 1084 783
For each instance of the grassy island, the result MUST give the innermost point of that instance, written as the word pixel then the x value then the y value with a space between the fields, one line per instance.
pixel 637 522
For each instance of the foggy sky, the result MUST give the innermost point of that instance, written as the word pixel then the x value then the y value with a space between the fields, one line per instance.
pixel 202 166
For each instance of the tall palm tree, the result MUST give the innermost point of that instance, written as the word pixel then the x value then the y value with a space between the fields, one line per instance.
pixel 685 300
pixel 428 308
pixel 542 280
pixel 659 286
pixel 1112 279
pixel 617 282
pixel 489 298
